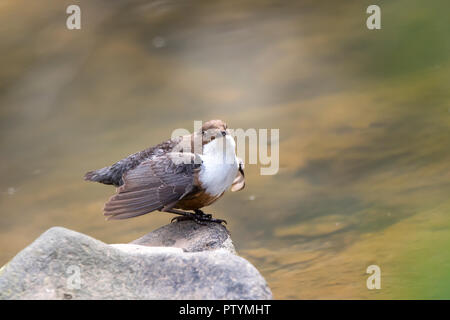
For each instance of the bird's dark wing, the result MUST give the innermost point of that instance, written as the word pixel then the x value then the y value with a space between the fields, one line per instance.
pixel 113 174
pixel 158 182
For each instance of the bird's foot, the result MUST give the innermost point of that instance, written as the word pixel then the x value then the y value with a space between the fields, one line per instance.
pixel 207 217
pixel 199 217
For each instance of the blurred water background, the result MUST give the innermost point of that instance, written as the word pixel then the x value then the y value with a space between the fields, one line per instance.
pixel 363 116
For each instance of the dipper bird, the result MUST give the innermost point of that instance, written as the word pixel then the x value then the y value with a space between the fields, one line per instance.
pixel 173 175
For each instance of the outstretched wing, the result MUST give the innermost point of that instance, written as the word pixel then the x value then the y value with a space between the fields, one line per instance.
pixel 155 183
pixel 239 181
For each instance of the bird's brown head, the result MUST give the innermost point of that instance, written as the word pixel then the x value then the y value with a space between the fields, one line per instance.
pixel 213 129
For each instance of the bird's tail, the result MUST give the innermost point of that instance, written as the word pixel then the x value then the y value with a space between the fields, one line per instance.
pixel 102 175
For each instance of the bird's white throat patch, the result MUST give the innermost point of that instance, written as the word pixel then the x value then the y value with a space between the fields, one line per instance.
pixel 220 165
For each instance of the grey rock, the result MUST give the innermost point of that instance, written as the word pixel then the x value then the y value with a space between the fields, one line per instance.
pixel 64 264
pixel 189 236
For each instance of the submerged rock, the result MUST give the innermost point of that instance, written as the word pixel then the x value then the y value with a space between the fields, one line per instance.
pixel 182 260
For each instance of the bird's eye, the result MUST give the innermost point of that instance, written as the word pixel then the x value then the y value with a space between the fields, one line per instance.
pixel 203 132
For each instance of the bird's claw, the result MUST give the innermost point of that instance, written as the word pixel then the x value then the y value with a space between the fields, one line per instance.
pixel 182 218
pixel 199 217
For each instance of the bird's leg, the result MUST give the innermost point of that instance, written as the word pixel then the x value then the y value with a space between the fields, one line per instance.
pixel 185 215
pixel 200 213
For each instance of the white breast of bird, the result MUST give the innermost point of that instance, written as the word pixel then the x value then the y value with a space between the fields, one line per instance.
pixel 220 165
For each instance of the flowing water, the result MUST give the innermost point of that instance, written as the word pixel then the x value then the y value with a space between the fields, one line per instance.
pixel 363 116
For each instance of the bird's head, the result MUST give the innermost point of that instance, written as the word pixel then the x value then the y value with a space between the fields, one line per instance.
pixel 213 129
